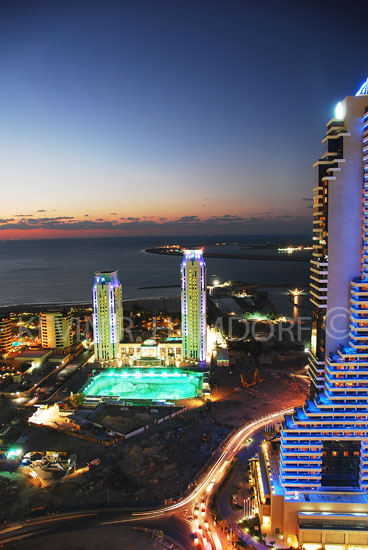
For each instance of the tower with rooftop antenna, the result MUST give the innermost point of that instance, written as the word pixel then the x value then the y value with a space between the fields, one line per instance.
pixel 314 489
pixel 107 301
pixel 193 306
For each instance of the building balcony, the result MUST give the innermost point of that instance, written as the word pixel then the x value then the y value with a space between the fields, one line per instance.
pixel 296 449
pixel 359 327
pixel 299 434
pixel 336 418
pixel 359 281
pixel 359 314
pixel 317 290
pixel 349 362
pixel 360 338
pixel 358 301
pixel 318 304
pixel 294 455
pixel 360 369
pixel 348 352
pixel 338 395
pixel 289 462
pixel 329 422
pixel 308 473
pixel 319 277
pixel 346 377
pixel 299 477
pixel 359 291
pixel 320 436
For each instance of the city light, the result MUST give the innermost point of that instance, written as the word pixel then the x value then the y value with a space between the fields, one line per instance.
pixel 339 111
pixel 292 249
pixel 13 454
pixel 296 292
pixel 363 90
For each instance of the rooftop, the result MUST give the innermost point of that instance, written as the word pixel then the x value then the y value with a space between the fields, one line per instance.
pixel 33 354
pixel 331 497
pixel 363 90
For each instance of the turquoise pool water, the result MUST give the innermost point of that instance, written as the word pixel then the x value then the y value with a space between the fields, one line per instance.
pixel 138 384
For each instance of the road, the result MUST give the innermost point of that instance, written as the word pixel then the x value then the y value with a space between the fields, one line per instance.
pixel 46 532
pixel 194 505
pixel 224 505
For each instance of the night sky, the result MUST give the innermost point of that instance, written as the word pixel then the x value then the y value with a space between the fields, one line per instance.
pixel 169 117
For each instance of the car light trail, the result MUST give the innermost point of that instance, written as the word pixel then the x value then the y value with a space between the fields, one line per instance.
pixel 232 447
pixel 216 473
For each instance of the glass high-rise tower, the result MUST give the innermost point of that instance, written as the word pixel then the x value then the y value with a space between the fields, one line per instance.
pixel 334 421
pixel 318 482
pixel 107 301
pixel 193 306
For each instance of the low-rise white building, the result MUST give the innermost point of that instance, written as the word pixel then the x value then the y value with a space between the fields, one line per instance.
pixel 152 353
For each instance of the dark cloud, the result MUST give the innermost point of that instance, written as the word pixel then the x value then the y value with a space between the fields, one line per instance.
pixel 226 218
pixel 112 213
pixel 41 210
pixel 131 223
pixel 55 218
pixel 307 199
pixel 188 219
pixel 23 215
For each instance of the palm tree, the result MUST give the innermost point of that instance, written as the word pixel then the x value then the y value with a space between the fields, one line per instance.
pixel 234 539
pixel 223 524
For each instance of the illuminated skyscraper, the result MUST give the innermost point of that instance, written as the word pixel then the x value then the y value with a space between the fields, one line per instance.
pixel 326 168
pixel 56 330
pixel 107 315
pixel 193 305
pixel 5 335
pixel 319 491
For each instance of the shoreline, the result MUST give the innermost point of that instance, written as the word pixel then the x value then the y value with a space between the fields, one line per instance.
pixel 283 258
pixel 37 307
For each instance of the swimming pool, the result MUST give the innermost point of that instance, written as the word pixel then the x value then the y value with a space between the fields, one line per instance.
pixel 148 385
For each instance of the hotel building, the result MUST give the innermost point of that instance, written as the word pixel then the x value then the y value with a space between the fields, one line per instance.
pixel 193 306
pixel 151 352
pixel 5 335
pixel 107 300
pixel 56 330
pixel 312 487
